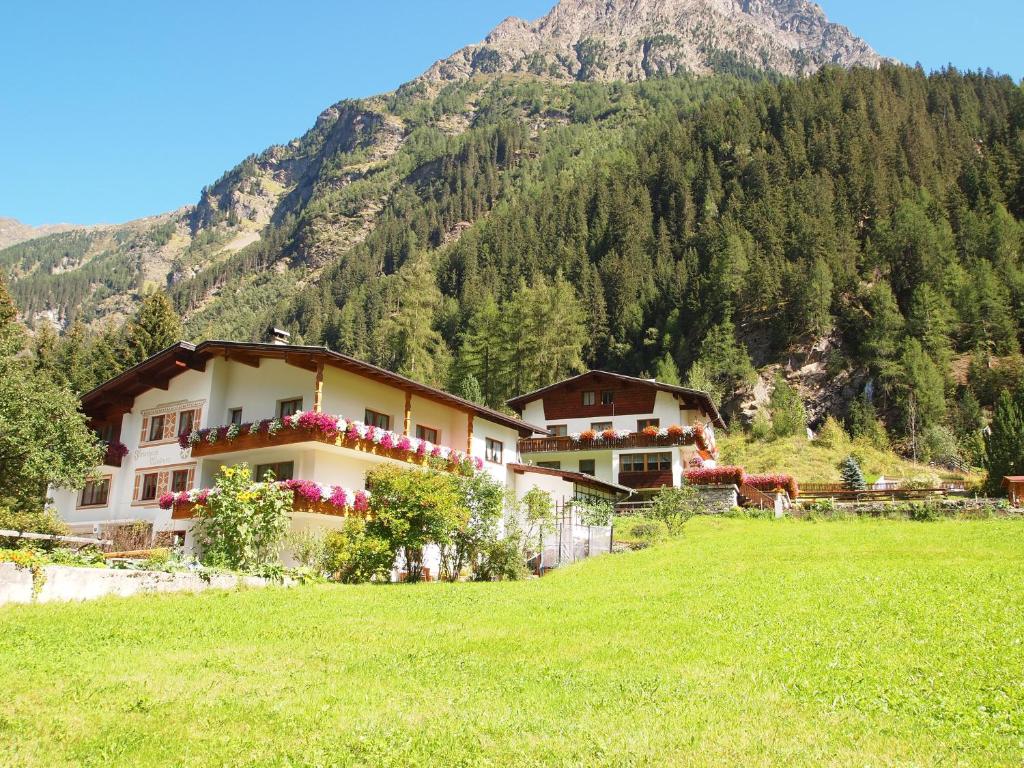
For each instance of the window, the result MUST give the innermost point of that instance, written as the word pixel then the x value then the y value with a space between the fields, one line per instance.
pixel 588 467
pixel 95 493
pixel 642 424
pixel 601 426
pixel 289 407
pixel 550 464
pixel 607 397
pixel 493 451
pixel 186 422
pixel 105 432
pixel 283 470
pixel 179 481
pixel 235 416
pixel 589 398
pixel 646 462
pixel 149 487
pixel 426 433
pixel 156 428
pixel 558 430
pixel 378 420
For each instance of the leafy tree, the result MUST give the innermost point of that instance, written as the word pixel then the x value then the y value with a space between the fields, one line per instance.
pixel 787 409
pixel 354 555
pixel 1004 443
pixel 44 439
pixel 853 477
pixel 413 508
pixel 154 327
pixel 485 498
pixel 674 506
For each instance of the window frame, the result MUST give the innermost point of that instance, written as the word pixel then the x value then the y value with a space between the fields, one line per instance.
pixel 489 454
pixel 288 401
pixel 601 426
pixel 660 461
pixel 91 485
pixel 142 486
pixel 607 397
pixel 161 419
pixel 642 424
pixel 559 430
pixel 372 417
pixel 593 467
pixel 422 429
pixel 192 421
pixel 589 397
pixel 174 474
pixel 232 413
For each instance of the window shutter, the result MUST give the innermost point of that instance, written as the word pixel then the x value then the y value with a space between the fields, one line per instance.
pixel 144 435
pixel 163 483
pixel 191 477
pixel 138 487
pixel 170 422
pixel 197 421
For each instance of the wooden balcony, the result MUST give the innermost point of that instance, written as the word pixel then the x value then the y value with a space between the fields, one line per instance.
pixel 638 440
pixel 646 480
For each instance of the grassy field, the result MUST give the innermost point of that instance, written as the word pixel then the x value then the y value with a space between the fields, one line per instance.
pixel 813 463
pixel 752 643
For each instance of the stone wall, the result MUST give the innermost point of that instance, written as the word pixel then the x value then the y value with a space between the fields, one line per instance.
pixel 719 498
pixel 65 583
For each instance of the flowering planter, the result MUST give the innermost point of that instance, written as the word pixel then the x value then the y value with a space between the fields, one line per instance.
pixel 114 454
pixel 307 496
pixel 330 430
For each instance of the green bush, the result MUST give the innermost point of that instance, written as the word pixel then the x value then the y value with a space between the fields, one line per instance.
pixel 501 559
pixel 41 521
pixel 88 557
pixel 639 532
pixel 354 556
pixel 308 549
pixel 674 506
pixel 761 426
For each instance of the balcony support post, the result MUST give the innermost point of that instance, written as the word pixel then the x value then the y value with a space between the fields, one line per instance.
pixel 318 388
pixel 407 424
pixel 469 434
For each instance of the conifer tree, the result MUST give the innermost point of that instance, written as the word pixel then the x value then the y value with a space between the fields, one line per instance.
pixel 853 477
pixel 1004 444
pixel 787 409
pixel 154 327
pixel 666 371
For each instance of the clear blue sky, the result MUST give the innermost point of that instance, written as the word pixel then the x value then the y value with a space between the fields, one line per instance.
pixel 115 110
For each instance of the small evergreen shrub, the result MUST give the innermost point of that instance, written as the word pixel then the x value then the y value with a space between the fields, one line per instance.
pixel 639 532
pixel 853 477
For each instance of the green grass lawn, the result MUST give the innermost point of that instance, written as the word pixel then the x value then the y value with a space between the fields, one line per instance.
pixel 745 643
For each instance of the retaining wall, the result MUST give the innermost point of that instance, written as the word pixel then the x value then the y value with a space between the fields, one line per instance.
pixel 66 583
pixel 719 498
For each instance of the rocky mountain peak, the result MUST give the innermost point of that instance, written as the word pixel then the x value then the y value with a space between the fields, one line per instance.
pixel 607 40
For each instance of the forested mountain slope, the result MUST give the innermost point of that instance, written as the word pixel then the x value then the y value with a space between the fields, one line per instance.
pixel 860 228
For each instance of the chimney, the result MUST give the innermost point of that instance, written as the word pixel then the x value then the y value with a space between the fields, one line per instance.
pixel 280 338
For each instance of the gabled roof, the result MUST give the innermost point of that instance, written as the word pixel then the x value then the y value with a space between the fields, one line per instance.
pixel 703 398
pixel 118 394
pixel 588 481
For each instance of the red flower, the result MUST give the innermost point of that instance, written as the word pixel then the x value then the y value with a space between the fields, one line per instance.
pixel 167 501
pixel 588 434
pixel 717 476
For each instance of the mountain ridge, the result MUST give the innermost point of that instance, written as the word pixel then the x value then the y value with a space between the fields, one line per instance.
pixel 630 40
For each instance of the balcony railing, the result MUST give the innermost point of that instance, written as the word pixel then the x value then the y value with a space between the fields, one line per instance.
pixel 637 440
pixel 646 480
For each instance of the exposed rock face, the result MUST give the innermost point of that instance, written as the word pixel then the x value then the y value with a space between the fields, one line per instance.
pixel 609 40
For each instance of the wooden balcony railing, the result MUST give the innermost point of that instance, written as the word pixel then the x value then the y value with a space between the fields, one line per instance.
pixel 646 480
pixel 637 440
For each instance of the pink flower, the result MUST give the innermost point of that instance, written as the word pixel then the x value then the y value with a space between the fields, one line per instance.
pixel 202 497
pixel 371 432
pixel 436 453
pixel 167 501
pixel 478 463
pixel 421 449
pixel 352 434
pixel 387 440
pixel 362 502
pixel 404 444
pixel 287 421
pixel 339 498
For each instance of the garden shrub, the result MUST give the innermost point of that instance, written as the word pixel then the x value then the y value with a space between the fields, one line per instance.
pixel 594 511
pixel 40 521
pixel 242 526
pixel 353 555
pixel 308 548
pixel 501 559
pixel 674 506
pixel 639 532
pixel 484 499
